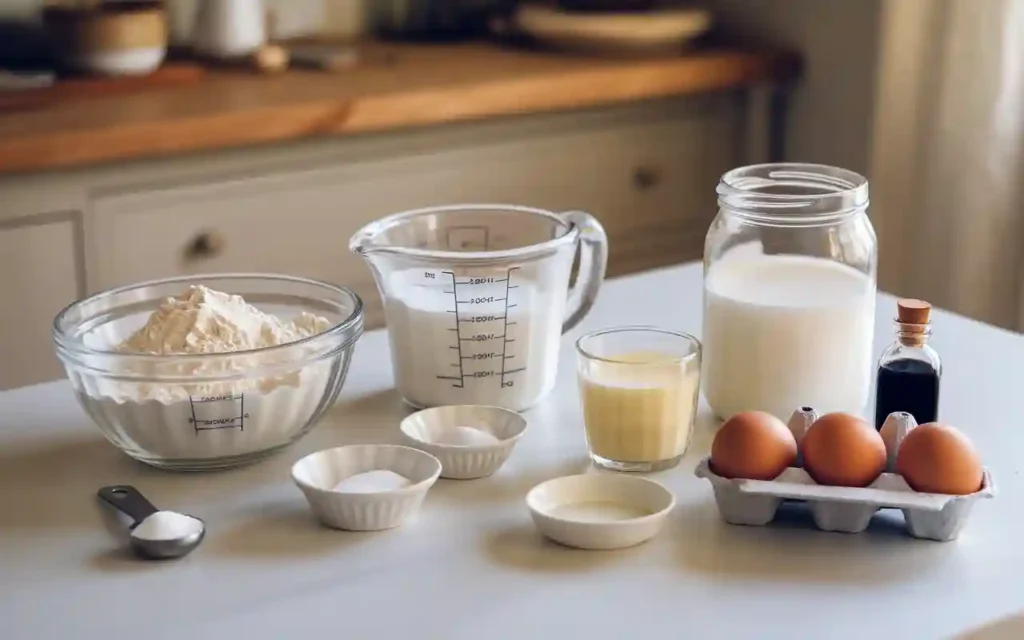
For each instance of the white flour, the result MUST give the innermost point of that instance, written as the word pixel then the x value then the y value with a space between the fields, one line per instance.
pixel 205 321
pixel 210 419
pixel 167 525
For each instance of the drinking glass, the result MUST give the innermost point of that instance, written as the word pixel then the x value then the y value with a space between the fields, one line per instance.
pixel 639 388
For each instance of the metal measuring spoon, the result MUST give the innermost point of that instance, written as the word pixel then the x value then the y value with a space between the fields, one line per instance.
pixel 129 501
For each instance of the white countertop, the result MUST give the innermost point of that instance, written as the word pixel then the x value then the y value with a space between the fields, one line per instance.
pixel 472 566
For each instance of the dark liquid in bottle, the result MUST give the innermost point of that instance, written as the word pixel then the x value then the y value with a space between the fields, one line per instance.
pixel 907 385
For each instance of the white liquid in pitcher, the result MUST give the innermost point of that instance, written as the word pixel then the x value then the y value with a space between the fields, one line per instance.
pixel 502 352
pixel 782 332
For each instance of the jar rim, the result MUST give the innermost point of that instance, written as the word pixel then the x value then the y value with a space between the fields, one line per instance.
pixel 792 193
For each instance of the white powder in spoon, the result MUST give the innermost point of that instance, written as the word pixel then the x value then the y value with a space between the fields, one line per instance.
pixel 373 482
pixel 167 525
pixel 465 437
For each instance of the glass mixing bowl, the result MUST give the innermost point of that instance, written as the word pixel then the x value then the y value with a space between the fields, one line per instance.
pixel 215 410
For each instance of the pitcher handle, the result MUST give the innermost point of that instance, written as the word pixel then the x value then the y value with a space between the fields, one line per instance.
pixel 593 262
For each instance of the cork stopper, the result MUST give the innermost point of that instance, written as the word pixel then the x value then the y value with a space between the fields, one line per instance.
pixel 912 316
pixel 910 311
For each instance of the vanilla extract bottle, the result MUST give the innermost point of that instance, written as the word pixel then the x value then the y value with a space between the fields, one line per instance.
pixel 909 370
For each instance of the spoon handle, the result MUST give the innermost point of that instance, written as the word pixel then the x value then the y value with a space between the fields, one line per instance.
pixel 128 500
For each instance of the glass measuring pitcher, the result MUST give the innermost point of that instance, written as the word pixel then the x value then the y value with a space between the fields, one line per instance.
pixel 477 296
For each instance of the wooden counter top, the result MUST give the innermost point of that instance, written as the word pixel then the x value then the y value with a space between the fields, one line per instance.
pixel 396 86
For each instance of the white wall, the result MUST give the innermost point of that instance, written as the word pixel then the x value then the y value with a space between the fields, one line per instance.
pixel 830 117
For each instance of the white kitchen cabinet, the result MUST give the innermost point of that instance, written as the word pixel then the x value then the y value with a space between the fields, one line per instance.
pixel 651 183
pixel 39 275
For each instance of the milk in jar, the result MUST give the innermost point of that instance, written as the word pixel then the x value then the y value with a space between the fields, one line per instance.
pixel 784 331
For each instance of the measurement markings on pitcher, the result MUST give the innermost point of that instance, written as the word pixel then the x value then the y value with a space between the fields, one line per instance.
pixel 505 340
pixel 471 339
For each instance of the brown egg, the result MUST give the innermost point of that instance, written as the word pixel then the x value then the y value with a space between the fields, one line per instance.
pixel 937 458
pixel 842 450
pixel 753 445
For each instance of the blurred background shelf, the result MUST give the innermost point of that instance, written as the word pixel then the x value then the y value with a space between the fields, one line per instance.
pixel 395 86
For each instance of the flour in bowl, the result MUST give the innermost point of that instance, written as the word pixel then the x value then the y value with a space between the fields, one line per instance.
pixel 181 413
pixel 202 320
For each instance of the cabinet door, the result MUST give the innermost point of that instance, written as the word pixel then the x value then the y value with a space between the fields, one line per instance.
pixel 38 261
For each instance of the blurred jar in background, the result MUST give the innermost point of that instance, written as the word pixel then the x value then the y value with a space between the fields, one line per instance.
pixel 345 19
pixel 229 28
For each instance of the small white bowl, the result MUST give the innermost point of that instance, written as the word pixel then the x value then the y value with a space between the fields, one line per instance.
pixel 599 510
pixel 318 473
pixel 437 432
pixel 130 62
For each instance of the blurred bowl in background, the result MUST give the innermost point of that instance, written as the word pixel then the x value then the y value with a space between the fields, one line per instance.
pixel 116 39
pixel 660 32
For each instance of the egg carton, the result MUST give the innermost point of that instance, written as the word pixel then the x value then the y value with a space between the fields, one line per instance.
pixel 928 516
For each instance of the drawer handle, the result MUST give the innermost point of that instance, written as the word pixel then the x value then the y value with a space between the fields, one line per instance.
pixel 208 244
pixel 646 177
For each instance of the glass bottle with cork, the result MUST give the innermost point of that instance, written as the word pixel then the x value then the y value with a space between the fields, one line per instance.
pixel 909 370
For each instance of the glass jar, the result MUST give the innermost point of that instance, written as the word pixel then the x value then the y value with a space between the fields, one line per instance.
pixel 789 291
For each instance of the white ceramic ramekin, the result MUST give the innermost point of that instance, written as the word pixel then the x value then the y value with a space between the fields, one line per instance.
pixel 599 510
pixel 426 430
pixel 318 473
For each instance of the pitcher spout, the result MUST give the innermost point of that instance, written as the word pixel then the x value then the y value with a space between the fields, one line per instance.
pixel 363 242
pixel 383 237
pixel 367 244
